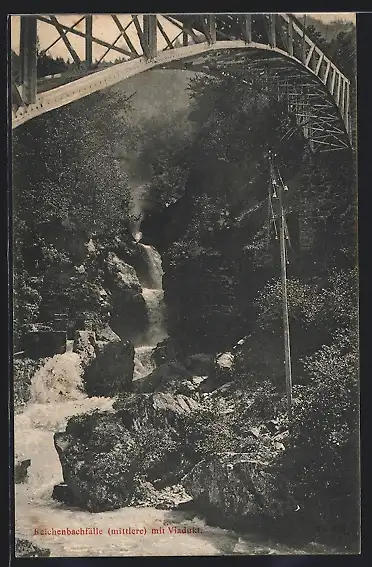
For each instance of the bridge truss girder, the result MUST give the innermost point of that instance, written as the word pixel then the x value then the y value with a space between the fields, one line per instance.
pixel 278 53
pixel 305 98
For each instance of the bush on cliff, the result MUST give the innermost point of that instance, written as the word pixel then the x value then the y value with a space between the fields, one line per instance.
pixel 322 459
pixel 318 307
pixel 23 371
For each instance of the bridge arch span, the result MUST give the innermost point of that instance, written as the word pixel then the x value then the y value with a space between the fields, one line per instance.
pixel 315 90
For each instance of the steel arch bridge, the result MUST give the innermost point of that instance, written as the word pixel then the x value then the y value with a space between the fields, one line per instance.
pixel 273 50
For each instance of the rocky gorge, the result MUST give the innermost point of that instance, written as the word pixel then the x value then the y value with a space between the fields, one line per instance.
pixel 166 402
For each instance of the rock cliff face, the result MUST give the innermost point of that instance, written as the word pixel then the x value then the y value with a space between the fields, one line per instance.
pixel 202 297
pixel 211 240
pixel 91 279
pixel 129 314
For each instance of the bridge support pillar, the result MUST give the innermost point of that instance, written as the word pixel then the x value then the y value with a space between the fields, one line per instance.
pixel 28 57
pixel 185 37
pixel 211 27
pixel 247 28
pixel 150 33
pixel 290 37
pixel 272 30
pixel 88 41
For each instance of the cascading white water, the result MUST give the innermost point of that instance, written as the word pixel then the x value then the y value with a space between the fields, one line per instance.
pixel 58 380
pixel 153 295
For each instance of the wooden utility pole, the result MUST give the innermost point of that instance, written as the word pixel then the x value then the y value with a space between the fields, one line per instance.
pixel 278 189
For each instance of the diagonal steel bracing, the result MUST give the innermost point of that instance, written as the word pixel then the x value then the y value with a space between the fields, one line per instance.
pixel 275 46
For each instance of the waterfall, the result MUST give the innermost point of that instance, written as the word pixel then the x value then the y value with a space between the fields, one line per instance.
pixel 152 288
pixel 154 297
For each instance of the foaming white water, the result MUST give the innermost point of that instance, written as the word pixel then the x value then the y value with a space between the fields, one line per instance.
pixel 36 510
pixel 154 265
pixel 59 379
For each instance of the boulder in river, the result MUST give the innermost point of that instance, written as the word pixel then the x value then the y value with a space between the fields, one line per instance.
pixel 237 487
pixel 24 548
pixel 164 352
pixel 85 346
pixel 20 471
pixel 95 470
pixel 111 371
pixel 171 377
pixel 111 459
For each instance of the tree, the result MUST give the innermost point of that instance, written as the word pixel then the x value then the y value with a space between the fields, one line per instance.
pixel 321 463
pixel 66 184
pixel 64 166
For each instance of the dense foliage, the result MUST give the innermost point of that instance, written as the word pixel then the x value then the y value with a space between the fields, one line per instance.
pixel 67 187
pixel 321 461
pixel 226 258
pixel 23 371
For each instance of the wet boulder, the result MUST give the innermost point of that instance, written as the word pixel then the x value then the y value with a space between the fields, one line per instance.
pixel 129 313
pixel 96 465
pixel 85 346
pixel 112 459
pixel 164 352
pixel 62 493
pixel 110 372
pixel 200 364
pixel 237 487
pixel 24 548
pixel 20 471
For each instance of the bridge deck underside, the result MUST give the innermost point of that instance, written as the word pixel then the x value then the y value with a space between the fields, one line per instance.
pixel 285 79
pixel 307 97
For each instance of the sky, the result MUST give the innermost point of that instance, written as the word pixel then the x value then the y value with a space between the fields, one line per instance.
pixel 331 16
pixel 104 28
